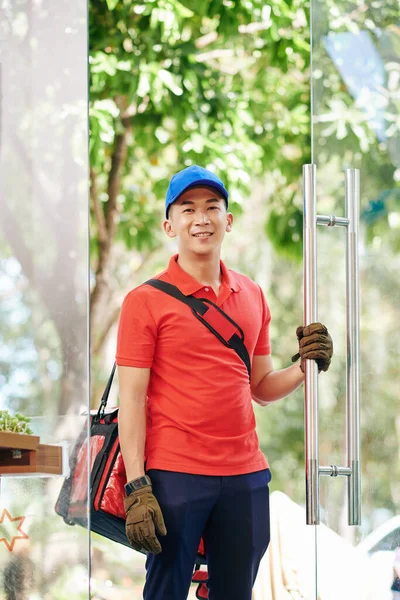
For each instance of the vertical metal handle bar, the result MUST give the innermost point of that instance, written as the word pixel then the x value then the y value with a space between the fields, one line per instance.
pixel 352 190
pixel 311 368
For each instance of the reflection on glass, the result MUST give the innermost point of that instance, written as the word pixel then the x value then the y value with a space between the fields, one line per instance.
pixel 43 281
pixel 355 86
pixel 364 75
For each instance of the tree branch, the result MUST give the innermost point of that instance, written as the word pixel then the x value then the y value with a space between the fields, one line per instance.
pixel 110 322
pixel 107 222
pixel 13 236
pixel 97 209
pixel 114 181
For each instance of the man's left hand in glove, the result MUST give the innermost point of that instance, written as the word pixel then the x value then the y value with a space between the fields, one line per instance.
pixel 314 343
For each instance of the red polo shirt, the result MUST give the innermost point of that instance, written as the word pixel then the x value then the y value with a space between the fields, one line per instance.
pixel 200 416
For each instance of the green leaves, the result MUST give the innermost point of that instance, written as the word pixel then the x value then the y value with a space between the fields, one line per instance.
pixel 102 115
pixel 111 4
pixel 170 81
pixel 191 84
pixel 221 84
pixel 284 229
pixel 15 424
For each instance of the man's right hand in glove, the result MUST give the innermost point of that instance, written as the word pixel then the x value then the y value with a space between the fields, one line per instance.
pixel 143 518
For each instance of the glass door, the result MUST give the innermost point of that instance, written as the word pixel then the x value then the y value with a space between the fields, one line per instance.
pixel 355 71
pixel 43 294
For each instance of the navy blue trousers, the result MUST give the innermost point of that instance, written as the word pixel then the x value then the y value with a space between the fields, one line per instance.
pixel 231 513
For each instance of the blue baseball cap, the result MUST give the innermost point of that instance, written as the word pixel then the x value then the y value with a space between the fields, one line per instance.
pixel 190 177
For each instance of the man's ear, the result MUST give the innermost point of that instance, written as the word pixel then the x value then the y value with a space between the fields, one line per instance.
pixel 168 228
pixel 229 219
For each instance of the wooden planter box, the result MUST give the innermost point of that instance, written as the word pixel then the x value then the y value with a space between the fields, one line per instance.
pixel 21 454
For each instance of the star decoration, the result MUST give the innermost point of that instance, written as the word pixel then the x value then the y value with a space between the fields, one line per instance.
pixel 5 519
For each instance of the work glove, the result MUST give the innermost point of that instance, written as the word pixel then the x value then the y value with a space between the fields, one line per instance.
pixel 314 343
pixel 143 517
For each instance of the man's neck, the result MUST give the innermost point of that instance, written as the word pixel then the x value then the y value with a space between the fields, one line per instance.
pixel 206 270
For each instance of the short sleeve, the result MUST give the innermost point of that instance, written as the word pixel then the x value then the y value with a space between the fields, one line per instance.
pixel 263 345
pixel 137 333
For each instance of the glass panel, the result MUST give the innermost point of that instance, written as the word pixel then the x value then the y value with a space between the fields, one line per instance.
pixel 355 111
pixel 43 289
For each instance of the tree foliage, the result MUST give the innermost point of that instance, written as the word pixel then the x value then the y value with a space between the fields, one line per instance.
pixel 221 84
pixel 226 85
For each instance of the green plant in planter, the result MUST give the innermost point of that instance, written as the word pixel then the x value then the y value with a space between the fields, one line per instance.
pixel 15 424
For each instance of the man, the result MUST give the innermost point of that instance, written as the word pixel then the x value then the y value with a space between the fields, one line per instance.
pixel 187 427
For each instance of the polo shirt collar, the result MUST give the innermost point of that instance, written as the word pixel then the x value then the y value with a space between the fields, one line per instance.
pixel 188 285
pixel 229 279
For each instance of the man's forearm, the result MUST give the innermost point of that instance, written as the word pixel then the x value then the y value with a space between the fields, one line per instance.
pixel 132 436
pixel 278 384
pixel 133 384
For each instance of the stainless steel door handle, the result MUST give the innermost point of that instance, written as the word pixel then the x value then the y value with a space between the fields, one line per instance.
pixel 311 368
pixel 352 187
pixel 312 467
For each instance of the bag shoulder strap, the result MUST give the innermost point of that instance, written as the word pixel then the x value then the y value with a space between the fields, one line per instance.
pixel 213 317
pixel 104 399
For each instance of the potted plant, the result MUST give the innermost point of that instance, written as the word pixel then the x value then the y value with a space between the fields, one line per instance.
pixel 14 424
pixel 21 452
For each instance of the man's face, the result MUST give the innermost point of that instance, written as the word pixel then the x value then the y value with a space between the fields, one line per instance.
pixel 199 220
